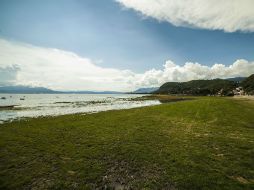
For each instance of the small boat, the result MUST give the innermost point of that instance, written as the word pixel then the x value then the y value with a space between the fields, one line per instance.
pixel 22 98
pixel 3 98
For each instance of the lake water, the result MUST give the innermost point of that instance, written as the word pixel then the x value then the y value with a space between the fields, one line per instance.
pixel 34 105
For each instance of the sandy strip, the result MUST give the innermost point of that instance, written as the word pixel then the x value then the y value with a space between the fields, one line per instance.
pixel 245 97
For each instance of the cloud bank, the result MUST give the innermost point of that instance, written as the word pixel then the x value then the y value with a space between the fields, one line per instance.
pixel 193 71
pixel 227 15
pixel 24 64
pixel 56 69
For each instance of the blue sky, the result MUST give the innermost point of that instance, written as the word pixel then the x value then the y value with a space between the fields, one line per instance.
pixel 120 35
pixel 104 30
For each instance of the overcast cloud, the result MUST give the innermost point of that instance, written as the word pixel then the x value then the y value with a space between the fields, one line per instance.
pixel 24 64
pixel 227 15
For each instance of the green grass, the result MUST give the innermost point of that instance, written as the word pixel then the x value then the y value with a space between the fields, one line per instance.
pixel 205 143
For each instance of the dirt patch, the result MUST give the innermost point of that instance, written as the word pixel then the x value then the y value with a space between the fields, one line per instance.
pixel 41 183
pixel 121 176
pixel 245 97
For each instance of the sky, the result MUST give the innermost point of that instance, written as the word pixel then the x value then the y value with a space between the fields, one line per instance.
pixel 123 45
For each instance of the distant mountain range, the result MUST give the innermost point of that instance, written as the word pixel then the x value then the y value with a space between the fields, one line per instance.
pixel 25 90
pixel 145 90
pixel 42 90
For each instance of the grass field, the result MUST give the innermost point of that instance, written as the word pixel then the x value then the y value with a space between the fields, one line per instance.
pixel 204 143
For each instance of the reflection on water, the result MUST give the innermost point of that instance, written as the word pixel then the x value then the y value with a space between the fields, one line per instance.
pixel 15 106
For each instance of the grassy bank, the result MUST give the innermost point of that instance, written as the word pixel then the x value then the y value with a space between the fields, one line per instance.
pixel 204 143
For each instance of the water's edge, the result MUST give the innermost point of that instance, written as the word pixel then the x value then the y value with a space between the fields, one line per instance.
pixel 19 106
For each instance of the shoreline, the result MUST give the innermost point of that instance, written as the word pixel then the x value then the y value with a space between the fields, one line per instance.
pixel 164 99
pixel 161 98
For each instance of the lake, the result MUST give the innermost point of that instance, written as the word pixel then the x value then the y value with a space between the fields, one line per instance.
pixel 16 106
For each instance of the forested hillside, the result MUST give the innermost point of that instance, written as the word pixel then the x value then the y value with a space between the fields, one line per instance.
pixel 248 84
pixel 207 87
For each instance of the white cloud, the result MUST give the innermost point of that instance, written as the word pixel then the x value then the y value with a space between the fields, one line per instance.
pixel 194 71
pixel 61 70
pixel 227 15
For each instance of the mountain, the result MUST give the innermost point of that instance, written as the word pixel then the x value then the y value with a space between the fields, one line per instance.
pixel 199 87
pixel 145 90
pixel 248 85
pixel 25 90
pixel 42 90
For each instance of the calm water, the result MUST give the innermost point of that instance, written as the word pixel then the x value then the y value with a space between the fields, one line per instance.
pixel 34 105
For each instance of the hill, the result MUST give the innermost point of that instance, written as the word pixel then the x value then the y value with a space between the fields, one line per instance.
pixel 248 85
pixel 237 79
pixel 199 87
